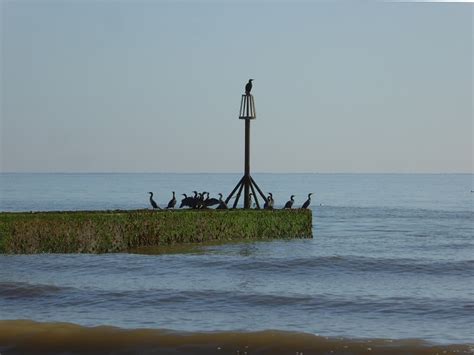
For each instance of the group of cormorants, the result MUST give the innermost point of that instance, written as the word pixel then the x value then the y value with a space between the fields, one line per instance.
pixel 202 200
pixel 199 200
pixel 291 201
pixel 269 203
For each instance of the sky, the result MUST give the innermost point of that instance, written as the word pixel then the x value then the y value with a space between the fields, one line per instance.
pixel 155 86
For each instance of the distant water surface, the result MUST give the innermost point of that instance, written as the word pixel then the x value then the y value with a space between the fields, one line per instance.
pixel 392 257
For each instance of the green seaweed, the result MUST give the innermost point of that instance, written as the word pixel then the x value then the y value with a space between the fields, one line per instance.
pixel 119 231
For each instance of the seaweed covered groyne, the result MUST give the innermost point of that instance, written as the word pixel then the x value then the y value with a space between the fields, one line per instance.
pixel 121 231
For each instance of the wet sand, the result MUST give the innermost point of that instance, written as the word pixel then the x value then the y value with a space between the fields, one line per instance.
pixel 28 337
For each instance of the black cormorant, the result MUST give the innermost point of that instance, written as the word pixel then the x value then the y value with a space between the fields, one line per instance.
pixel 210 201
pixel 199 200
pixel 222 204
pixel 289 204
pixel 252 200
pixel 172 202
pixel 153 203
pixel 307 202
pixel 195 200
pixel 189 201
pixel 186 201
pixel 248 87
pixel 269 202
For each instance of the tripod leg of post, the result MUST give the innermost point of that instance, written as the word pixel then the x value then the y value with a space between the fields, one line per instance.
pixel 258 189
pixel 238 195
pixel 233 191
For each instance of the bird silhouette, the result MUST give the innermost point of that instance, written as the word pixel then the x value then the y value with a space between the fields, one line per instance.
pixel 307 202
pixel 289 203
pixel 208 202
pixel 268 205
pixel 153 203
pixel 222 204
pixel 172 202
pixel 248 87
pixel 252 200
pixel 186 201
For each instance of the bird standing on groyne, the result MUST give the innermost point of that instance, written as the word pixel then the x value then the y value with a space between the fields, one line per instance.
pixel 208 202
pixel 172 202
pixel 289 203
pixel 222 204
pixel 252 200
pixel 186 201
pixel 153 203
pixel 307 202
pixel 268 205
pixel 200 200
pixel 248 87
pixel 191 201
pixel 195 200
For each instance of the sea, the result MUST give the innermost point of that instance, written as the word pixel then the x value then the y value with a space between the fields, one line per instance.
pixel 389 270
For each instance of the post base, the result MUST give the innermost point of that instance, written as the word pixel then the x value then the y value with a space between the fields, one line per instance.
pixel 246 183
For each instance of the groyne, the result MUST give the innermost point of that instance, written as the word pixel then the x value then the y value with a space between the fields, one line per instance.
pixel 121 231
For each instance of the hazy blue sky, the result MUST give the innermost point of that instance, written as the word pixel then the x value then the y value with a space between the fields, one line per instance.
pixel 155 86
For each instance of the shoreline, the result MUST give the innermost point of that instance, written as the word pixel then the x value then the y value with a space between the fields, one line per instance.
pixel 27 336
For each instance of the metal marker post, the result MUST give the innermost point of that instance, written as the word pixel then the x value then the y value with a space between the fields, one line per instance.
pixel 247 113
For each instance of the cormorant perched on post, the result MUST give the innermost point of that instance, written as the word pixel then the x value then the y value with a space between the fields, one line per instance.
pixel 289 203
pixel 222 204
pixel 172 202
pixel 153 203
pixel 307 202
pixel 248 87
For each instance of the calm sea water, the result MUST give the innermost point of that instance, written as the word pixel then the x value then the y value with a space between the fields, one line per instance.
pixel 392 257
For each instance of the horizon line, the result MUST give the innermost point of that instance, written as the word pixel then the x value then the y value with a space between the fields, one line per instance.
pixel 233 173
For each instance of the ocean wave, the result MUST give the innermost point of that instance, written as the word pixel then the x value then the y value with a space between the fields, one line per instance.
pixel 29 337
pixel 23 290
pixel 235 302
pixel 354 264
